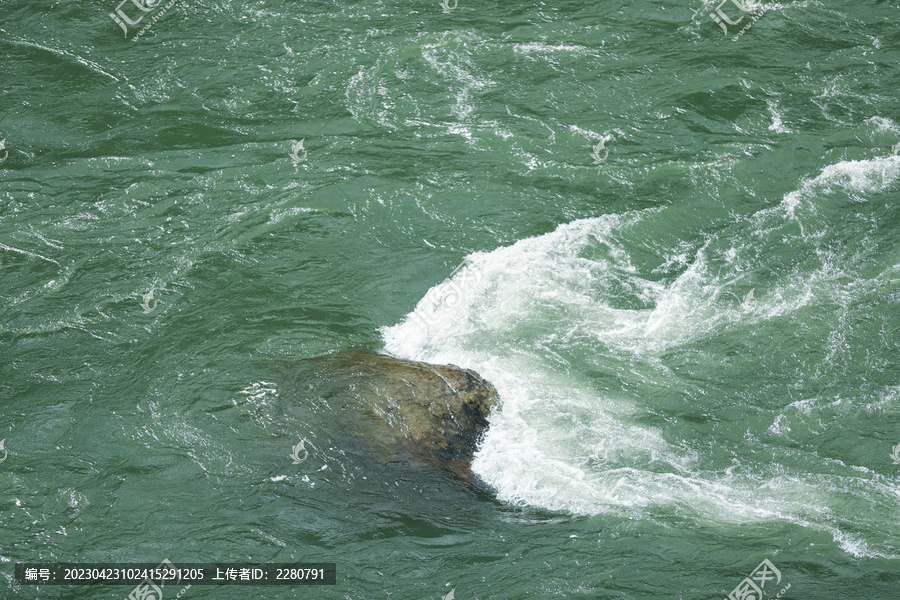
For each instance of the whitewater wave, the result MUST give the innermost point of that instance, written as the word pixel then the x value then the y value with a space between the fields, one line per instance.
pixel 578 330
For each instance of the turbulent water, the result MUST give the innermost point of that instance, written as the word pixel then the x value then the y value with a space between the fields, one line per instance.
pixel 667 232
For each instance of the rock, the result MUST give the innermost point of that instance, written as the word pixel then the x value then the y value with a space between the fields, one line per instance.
pixel 435 412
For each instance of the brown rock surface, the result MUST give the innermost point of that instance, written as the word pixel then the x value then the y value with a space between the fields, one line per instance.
pixel 435 412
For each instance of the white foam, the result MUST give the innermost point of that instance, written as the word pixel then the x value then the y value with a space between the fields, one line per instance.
pixel 541 317
pixel 556 442
pixel 777 124
pixel 541 47
pixel 379 93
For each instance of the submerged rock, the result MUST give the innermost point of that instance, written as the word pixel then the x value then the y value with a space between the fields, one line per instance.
pixel 435 412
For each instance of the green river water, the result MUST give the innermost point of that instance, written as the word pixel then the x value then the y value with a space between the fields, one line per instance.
pixel 672 244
